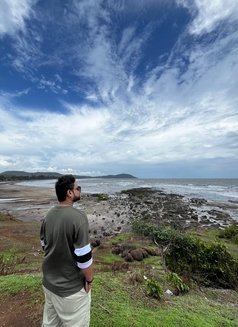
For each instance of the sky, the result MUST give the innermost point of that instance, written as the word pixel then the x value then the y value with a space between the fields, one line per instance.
pixel 95 87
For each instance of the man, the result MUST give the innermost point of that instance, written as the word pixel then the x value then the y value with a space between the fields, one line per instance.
pixel 67 264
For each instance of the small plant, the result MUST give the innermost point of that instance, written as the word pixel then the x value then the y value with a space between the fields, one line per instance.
pixel 230 233
pixel 235 239
pixel 154 289
pixel 7 264
pixel 102 197
pixel 177 282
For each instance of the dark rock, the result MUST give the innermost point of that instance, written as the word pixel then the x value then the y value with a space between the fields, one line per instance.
pixel 151 251
pixel 106 234
pixel 137 254
pixel 145 253
pixel 116 250
pixel 198 201
pixel 129 257
pixel 124 253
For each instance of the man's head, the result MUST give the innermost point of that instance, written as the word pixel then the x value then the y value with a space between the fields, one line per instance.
pixel 66 188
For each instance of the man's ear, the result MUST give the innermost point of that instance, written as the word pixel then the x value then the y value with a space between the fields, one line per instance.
pixel 69 192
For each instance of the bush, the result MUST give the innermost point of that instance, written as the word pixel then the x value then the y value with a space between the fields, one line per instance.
pixel 154 289
pixel 163 236
pixel 177 282
pixel 209 264
pixel 230 233
pixel 8 263
pixel 102 197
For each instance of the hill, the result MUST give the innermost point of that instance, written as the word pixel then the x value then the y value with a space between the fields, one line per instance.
pixel 22 175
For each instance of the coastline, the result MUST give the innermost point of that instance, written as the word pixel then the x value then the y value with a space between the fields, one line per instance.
pixel 114 215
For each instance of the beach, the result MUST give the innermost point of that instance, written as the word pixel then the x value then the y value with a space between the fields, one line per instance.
pixel 28 203
pixel 113 214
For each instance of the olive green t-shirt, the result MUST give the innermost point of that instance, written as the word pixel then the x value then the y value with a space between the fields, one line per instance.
pixel 63 230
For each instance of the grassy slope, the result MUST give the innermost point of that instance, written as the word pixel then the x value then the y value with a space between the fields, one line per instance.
pixel 117 299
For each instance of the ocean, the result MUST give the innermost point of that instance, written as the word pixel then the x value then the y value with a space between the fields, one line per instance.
pixel 210 189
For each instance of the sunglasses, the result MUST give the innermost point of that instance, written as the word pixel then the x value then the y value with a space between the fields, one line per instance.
pixel 78 188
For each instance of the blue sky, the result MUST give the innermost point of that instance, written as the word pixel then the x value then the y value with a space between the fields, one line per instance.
pixel 147 87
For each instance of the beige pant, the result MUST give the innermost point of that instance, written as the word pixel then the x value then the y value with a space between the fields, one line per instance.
pixel 70 311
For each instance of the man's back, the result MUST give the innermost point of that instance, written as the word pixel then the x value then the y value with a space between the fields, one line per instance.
pixel 67 266
pixel 63 230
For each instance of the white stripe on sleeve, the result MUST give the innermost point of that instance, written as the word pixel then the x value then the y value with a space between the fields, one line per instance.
pixel 85 264
pixel 82 251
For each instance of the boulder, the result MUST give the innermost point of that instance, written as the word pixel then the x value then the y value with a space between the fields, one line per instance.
pixel 128 257
pixel 137 254
pixel 116 250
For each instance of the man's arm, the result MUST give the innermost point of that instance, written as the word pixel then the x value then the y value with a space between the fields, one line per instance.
pixel 84 260
pixel 88 274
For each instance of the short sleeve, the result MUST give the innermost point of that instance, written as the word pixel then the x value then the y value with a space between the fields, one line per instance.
pixel 82 247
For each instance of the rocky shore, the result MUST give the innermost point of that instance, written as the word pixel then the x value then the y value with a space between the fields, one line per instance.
pixel 110 215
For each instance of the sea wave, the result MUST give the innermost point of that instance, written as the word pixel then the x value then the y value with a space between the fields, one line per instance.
pixel 217 189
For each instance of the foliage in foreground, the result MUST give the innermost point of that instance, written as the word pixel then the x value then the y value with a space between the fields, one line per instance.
pixel 230 233
pixel 13 284
pixel 177 282
pixel 115 303
pixel 209 264
pixel 154 289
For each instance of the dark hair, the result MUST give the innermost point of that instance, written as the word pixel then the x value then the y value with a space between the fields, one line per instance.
pixel 63 184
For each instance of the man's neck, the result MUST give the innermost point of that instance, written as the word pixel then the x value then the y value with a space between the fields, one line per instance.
pixel 66 203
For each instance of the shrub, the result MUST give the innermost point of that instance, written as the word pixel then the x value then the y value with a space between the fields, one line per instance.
pixel 7 263
pixel 154 289
pixel 209 264
pixel 102 197
pixel 235 239
pixel 163 236
pixel 177 282
pixel 230 233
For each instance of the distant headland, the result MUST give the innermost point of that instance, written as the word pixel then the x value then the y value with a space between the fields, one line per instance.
pixel 16 175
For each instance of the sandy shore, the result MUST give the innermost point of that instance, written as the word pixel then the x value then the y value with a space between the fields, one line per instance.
pixel 115 214
pixel 28 203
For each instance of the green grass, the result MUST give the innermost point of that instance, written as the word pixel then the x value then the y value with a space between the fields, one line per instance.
pixel 118 301
pixel 115 304
pixel 108 258
pixel 13 284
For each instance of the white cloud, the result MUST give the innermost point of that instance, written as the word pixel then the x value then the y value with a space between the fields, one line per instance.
pixel 13 14
pixel 5 161
pixel 146 131
pixel 208 14
pixel 173 116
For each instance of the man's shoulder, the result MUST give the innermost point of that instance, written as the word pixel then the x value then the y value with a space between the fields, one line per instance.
pixel 78 214
pixel 73 214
